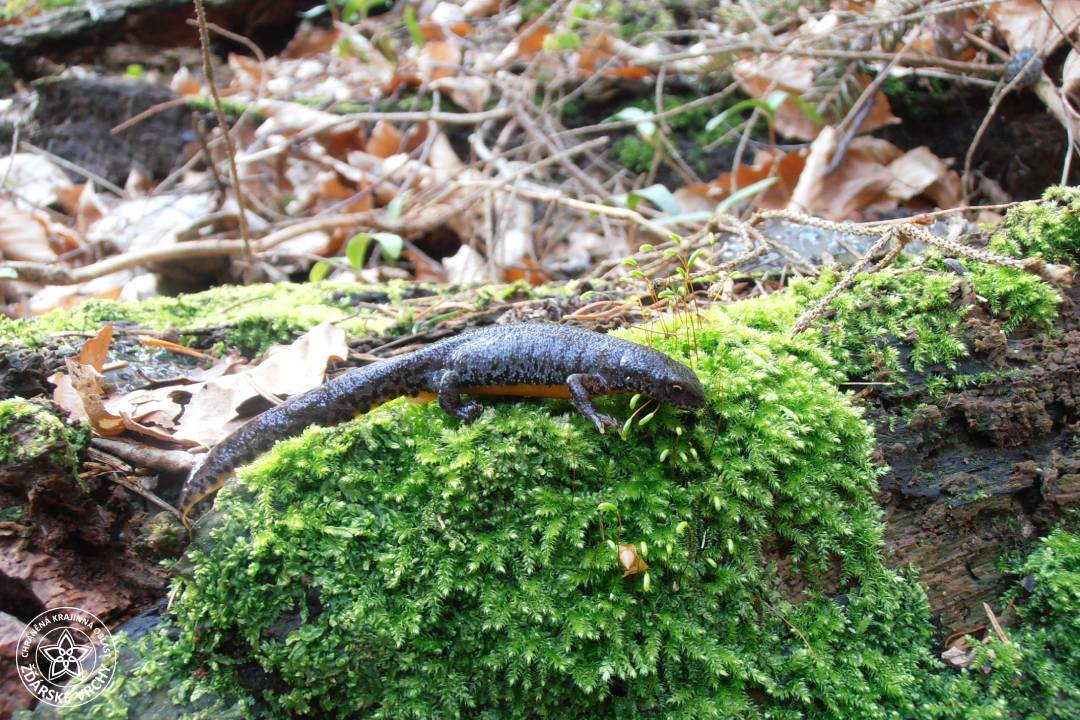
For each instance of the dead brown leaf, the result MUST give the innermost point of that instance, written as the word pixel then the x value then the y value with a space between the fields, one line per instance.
pixel 786 166
pixel 286 370
pixel 762 74
pixel 1070 78
pixel 531 38
pixel 854 185
pixel 340 140
pixel 630 560
pixel 385 140
pixel 81 392
pixel 434 59
pixel 184 83
pixel 95 351
pixel 23 236
pixel 310 41
pixel 1027 24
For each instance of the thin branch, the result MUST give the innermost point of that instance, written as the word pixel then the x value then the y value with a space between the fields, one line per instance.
pixel 230 150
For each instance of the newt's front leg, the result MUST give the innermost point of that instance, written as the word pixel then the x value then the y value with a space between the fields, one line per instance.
pixel 583 387
pixel 448 388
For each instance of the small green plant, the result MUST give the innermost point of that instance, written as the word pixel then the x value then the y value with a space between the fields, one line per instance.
pixel 633 153
pixel 1049 227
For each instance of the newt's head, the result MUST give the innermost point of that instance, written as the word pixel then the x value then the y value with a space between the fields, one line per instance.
pixel 664 379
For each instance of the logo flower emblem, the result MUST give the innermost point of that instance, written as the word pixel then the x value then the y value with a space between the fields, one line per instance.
pixel 65 656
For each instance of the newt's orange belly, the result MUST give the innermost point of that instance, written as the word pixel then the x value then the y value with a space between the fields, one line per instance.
pixel 544 391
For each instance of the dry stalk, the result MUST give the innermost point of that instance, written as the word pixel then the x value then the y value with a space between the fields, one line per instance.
pixel 230 150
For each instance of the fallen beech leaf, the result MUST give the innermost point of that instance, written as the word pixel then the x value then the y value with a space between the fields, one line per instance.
pixel 531 38
pixel 764 74
pixel 157 406
pixel 467 266
pixel 630 560
pixel 696 197
pixel 138 183
pixel 630 72
pixel 469 92
pixel 788 167
pixel 442 156
pixel 287 370
pixel 248 73
pixel 95 350
pixel 210 414
pixel 480 8
pixel 433 31
pixel 1070 78
pixel 310 41
pixel 184 83
pixel 340 140
pixel 38 181
pixel 385 140
pixel 152 432
pixel 300 366
pixel 857 182
pixel 23 236
pixel 948 191
pixel 528 270
pixel 66 397
pixel 434 56
pixel 88 208
pixel 877 149
pixel 913 172
pixel 1031 23
pixel 90 387
pixel 221 366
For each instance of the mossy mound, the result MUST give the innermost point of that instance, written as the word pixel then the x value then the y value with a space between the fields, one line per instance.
pixel 1049 227
pixel 405 565
pixel 29 432
pixel 906 321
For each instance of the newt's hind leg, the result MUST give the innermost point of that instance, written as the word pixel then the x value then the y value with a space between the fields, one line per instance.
pixel 583 387
pixel 449 390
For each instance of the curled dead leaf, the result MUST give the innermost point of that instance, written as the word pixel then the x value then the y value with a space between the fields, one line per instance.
pixel 630 560
pixel 95 350
pixel 81 392
pixel 385 140
pixel 23 236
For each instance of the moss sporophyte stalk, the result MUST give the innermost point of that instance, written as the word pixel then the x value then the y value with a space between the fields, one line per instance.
pixel 406 565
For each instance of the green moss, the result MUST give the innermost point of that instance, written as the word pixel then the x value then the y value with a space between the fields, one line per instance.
pixel 249 318
pixel 14 8
pixel 1049 227
pixel 231 108
pixel 29 430
pixel 1036 673
pixel 906 318
pixel 7 78
pixel 633 153
pixel 1017 297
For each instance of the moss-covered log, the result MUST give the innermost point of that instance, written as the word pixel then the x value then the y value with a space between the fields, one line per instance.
pixel 407 566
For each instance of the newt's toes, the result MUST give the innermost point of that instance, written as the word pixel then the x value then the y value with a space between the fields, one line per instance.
pixel 602 420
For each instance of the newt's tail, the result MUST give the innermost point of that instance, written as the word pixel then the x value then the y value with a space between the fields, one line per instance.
pixel 338 400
